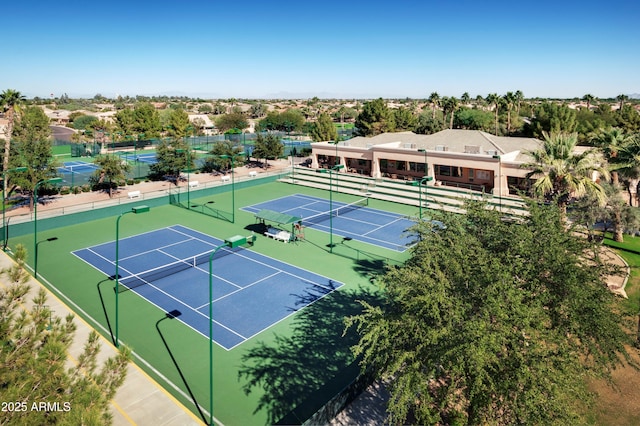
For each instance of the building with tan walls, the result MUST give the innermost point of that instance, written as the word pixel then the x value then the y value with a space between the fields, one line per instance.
pixel 465 158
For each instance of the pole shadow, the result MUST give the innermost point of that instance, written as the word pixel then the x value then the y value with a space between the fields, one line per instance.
pixel 171 315
pixel 104 306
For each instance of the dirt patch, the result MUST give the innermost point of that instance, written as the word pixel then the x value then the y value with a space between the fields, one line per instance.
pixel 619 404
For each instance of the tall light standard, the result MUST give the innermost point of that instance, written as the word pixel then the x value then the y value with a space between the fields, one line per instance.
pixel 232 242
pixel 337 164
pixel 188 170
pixel 426 170
pixel 420 183
pixel 35 220
pixel 35 267
pixel 499 158
pixel 331 171
pixel 4 205
pixel 135 210
pixel 233 189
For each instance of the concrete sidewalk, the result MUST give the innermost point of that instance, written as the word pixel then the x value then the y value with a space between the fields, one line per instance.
pixel 140 400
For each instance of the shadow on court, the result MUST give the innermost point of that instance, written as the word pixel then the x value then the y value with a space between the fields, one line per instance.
pixel 301 372
pixel 171 315
pixel 104 307
pixel 367 264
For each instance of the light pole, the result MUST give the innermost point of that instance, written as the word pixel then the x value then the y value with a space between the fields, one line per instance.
pixel 188 170
pixel 135 210
pixel 419 183
pixel 499 158
pixel 331 171
pixel 35 267
pixel 4 205
pixel 233 190
pixel 426 170
pixel 232 242
pixel 337 165
pixel 35 220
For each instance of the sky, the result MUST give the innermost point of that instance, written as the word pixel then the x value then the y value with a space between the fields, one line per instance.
pixel 329 49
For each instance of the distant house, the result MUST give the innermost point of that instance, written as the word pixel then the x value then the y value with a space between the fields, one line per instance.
pixel 466 158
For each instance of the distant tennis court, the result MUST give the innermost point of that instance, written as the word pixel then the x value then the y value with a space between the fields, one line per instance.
pixel 148 158
pixel 169 268
pixel 77 167
pixel 356 220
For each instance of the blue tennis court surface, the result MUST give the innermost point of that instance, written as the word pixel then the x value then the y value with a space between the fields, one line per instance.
pixel 79 167
pixel 251 292
pixel 149 158
pixel 373 226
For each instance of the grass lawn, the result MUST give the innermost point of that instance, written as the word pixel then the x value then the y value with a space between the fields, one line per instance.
pixel 619 403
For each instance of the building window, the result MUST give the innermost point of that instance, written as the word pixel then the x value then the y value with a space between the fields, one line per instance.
pixel 450 171
pixel 483 174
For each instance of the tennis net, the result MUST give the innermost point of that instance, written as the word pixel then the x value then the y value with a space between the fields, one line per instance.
pixel 79 168
pixel 136 280
pixel 339 211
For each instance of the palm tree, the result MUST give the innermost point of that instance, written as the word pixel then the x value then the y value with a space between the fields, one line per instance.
pixel 588 98
pixel 10 101
pixel 509 100
pixel 627 164
pixel 465 98
pixel 561 174
pixel 494 99
pixel 450 105
pixel 610 141
pixel 622 99
pixel 519 98
pixel 434 99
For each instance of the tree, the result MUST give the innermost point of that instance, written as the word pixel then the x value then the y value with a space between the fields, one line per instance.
pixel 178 123
pixel 561 174
pixel 509 101
pixel 404 119
pixel 216 162
pixel 494 99
pixel 291 120
pixel 622 99
pixel 230 121
pixel 588 98
pixel 112 170
pixel 258 110
pixel 323 129
pixel 144 118
pixel 34 365
pixel 493 322
pixel 609 142
pixel 551 117
pixel 288 121
pixel 474 119
pixel 268 147
pixel 465 98
pixel 628 118
pixel 434 100
pixel 519 96
pixel 33 145
pixel 627 164
pixel 172 157
pixel 450 105
pixel 427 125
pixel 375 118
pixel 10 101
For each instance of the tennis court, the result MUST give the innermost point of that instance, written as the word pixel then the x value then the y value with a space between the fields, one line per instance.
pixel 169 268
pixel 354 220
pixel 148 158
pixel 76 167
